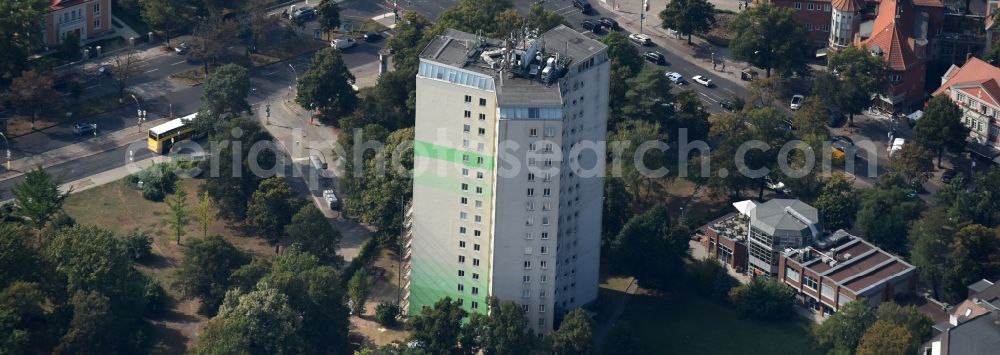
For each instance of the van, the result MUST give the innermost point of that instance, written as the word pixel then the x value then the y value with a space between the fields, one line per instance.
pixel 640 39
pixel 896 145
pixel 583 5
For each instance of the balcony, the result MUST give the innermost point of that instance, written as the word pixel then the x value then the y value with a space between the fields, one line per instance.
pixel 963 38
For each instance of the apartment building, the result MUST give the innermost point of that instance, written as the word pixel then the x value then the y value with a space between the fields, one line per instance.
pixel 840 268
pixel 84 18
pixel 508 176
pixel 975 87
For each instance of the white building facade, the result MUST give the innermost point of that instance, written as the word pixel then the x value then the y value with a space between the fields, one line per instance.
pixel 508 180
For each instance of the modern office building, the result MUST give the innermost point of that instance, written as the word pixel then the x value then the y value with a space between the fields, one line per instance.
pixel 776 225
pixel 508 172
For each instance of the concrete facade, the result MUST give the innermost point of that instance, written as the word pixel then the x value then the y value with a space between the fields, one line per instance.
pixel 507 185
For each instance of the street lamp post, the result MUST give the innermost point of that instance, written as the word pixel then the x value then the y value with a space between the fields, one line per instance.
pixel 139 112
pixel 290 66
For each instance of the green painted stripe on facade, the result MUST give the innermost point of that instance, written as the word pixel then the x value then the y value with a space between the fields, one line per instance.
pixel 434 151
pixel 450 184
pixel 433 280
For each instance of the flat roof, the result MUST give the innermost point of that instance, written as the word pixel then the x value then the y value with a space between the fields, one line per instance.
pixel 773 217
pixel 465 51
pixel 850 262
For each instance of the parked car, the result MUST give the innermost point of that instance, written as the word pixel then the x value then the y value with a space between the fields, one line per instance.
pixel 796 102
pixel 640 39
pixel 948 175
pixel 776 185
pixel 727 105
pixel 655 57
pixel 373 36
pixel 844 145
pixel 103 69
pixel 675 78
pixel 611 24
pixel 304 14
pixel 331 199
pixel 583 5
pixel 84 128
pixel 343 43
pixel 591 25
pixel 673 33
pixel 702 80
pixel 896 145
pixel 182 48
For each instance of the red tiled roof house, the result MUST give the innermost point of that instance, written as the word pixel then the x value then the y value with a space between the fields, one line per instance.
pixel 975 87
pixel 85 18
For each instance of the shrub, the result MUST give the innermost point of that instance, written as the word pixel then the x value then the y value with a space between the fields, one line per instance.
pixel 710 279
pixel 154 297
pixel 763 299
pixel 157 181
pixel 386 313
pixel 138 245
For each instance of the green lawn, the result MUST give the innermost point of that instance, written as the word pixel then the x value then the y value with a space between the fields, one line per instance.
pixel 686 324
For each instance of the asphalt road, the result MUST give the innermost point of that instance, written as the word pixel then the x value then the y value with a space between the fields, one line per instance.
pixel 79 168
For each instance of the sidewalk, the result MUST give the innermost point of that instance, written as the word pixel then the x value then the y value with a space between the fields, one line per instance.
pixel 96 145
pixel 628 17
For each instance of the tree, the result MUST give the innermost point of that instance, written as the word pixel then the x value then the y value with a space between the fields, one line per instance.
pixel 913 162
pixel 503 331
pixel 357 290
pixel 810 119
pixel 837 203
pixel 616 210
pixel 124 68
pixel 632 134
pixel 94 263
pixel 689 114
pixel 379 194
pixel 313 233
pixel 178 218
pixel 626 62
pixel 472 15
pixel 203 212
pixel 386 313
pixel 931 237
pixel 226 91
pixel 941 127
pixel 138 245
pixel 916 324
pixel 38 198
pixel 22 21
pixel 689 17
pixel 843 330
pixel 574 335
pixel 710 279
pixel 210 38
pixel 769 37
pixel 412 35
pixel 651 249
pixel 258 322
pixel 259 23
pixel 26 321
pixel 853 76
pixel 436 329
pixel 326 86
pixel 168 15
pixel 541 19
pixel 31 92
pixel 975 254
pixel 329 15
pixel 18 260
pixel 232 186
pixel 885 212
pixel 646 96
pixel 271 209
pixel 205 271
pixel 763 299
pixel 885 338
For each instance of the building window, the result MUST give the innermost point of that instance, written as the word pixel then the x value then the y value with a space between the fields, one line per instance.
pixel 527 235
pixel 475 290
pixel 482 102
pixel 97 24
pixel 530 205
pixel 541 322
pixel 809 283
pixel 479 204
pixel 809 27
pixel 480 146
pixel 477 233
pixel 461 259
pixel 461 244
pixel 461 273
pixel 475 262
pixel 479 189
pixel 792 274
pixel 461 230
pixel 529 221
pixel 546 192
pixel 526 293
pixel 541 308
pixel 475 305
pixel 895 78
pixel 461 287
pixel 466 128
pixel 527 264
pixel 533 132
pixel 826 7
pixel 809 6
pixel 468 114
pixel 97 9
pixel 531 191
pixel 463 216
pixel 798 6
pixel 482 131
pixel 524 308
pixel 482 117
pixel 475 276
pixel 545 235
pixel 545 220
pixel 475 247
pixel 478 219
pixel 531 177
pixel 545 249
pixel 526 279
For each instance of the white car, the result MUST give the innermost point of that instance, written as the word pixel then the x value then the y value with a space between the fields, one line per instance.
pixel 702 80
pixel 675 77
pixel 640 39
pixel 343 43
pixel 796 102
pixel 331 199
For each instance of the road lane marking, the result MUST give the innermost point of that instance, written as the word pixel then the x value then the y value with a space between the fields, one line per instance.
pixel 180 62
pixel 730 91
pixel 150 71
pixel 707 97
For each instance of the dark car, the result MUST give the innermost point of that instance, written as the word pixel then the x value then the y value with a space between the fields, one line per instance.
pixel 655 57
pixel 727 105
pixel 591 26
pixel 583 5
pixel 948 175
pixel 84 128
pixel 609 23
pixel 373 37
pixel 304 14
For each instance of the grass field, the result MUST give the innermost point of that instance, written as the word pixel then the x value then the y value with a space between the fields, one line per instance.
pixel 685 324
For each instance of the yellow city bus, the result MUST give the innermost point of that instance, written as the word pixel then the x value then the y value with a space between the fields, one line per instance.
pixel 163 136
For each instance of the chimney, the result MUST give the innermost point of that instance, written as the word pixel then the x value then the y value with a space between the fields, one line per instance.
pixel 967 57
